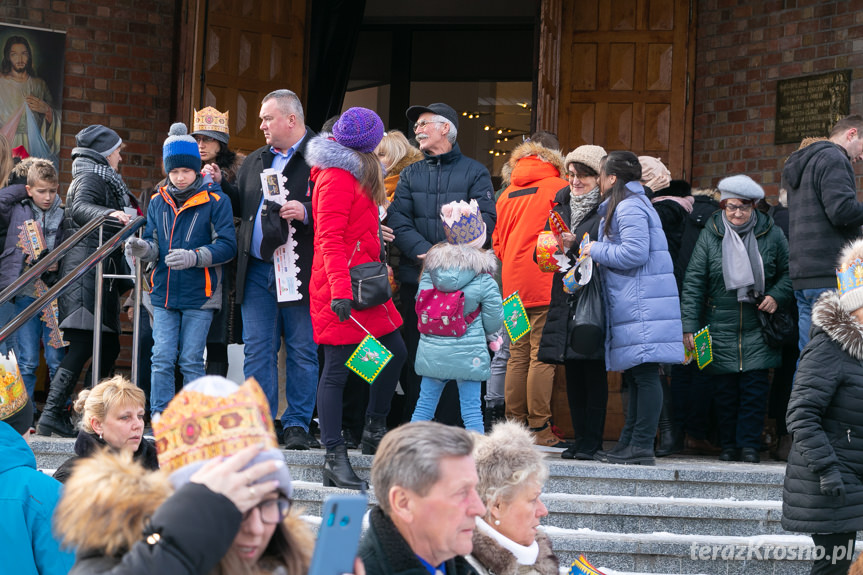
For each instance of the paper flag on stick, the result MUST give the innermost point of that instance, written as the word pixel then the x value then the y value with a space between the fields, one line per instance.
pixel 515 317
pixel 703 347
pixel 369 359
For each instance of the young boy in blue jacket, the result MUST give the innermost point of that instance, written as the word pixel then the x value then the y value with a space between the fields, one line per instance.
pixel 189 235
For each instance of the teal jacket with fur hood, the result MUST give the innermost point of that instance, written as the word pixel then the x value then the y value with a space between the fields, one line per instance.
pixel 454 267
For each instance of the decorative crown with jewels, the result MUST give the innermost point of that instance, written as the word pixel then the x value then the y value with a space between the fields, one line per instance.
pixel 462 222
pixel 850 276
pixel 13 394
pixel 198 426
pixel 210 119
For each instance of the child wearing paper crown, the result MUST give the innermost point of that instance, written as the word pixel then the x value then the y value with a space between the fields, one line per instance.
pixel 189 236
pixel 460 263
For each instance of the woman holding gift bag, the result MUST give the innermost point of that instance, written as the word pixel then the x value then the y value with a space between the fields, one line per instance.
pixel 642 307
pixel 349 188
pixel 586 383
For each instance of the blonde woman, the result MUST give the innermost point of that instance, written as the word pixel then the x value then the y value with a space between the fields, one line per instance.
pixel 112 416
pixel 396 154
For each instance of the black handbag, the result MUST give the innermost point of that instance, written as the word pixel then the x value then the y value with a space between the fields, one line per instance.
pixel 778 328
pixel 370 282
pixel 587 333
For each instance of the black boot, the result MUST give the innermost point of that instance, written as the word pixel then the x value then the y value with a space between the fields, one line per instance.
pixel 373 432
pixel 52 419
pixel 669 441
pixel 338 471
pixel 217 368
pixel 493 414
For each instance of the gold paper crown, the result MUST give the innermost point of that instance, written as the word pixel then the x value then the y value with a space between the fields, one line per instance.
pixel 13 394
pixel 211 119
pixel 197 426
pixel 850 276
pixel 468 227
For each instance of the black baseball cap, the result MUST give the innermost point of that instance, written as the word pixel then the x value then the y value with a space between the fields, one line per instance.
pixel 439 108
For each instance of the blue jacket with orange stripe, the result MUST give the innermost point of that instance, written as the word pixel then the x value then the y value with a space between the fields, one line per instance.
pixel 203 223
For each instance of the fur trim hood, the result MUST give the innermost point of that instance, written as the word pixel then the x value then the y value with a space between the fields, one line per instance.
pixel 553 157
pixel 323 152
pixel 125 497
pixel 498 561
pixel 838 324
pixel 445 256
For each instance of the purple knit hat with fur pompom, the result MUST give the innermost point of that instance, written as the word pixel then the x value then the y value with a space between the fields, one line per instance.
pixel 359 129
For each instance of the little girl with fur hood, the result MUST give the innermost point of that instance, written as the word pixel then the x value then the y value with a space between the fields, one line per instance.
pixel 459 264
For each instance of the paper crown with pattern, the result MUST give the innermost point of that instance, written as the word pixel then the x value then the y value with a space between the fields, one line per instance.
pixel 198 426
pixel 462 222
pixel 850 276
pixel 212 123
pixel 13 394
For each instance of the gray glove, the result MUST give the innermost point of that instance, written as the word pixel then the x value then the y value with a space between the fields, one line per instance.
pixel 137 247
pixel 832 485
pixel 181 259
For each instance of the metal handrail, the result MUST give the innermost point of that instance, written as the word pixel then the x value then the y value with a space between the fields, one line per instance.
pixel 65 282
pixel 50 259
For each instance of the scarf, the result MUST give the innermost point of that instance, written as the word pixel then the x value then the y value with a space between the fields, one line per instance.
pixel 523 555
pixel 85 165
pixel 580 206
pixel 742 268
pixel 685 203
pixel 180 196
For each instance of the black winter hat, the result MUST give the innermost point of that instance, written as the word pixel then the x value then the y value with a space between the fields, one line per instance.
pixel 438 108
pixel 99 139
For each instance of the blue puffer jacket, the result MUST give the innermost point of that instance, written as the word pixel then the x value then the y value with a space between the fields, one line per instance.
pixel 423 188
pixel 204 223
pixel 449 268
pixel 641 301
pixel 29 496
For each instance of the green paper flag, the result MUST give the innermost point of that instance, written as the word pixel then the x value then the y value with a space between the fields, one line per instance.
pixel 703 347
pixel 514 317
pixel 369 359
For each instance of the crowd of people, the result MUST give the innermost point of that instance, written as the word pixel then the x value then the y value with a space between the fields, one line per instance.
pixel 322 240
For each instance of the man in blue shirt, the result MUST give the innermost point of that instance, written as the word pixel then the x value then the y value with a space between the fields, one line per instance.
pixel 265 225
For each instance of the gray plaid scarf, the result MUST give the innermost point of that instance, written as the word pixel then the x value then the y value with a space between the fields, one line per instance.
pixel 85 165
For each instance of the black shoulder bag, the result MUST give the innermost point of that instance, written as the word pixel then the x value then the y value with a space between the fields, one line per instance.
pixel 370 282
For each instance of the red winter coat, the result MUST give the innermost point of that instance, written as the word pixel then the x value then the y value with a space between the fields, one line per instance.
pixel 346 234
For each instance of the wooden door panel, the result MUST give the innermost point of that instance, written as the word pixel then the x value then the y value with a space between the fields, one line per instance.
pixel 624 75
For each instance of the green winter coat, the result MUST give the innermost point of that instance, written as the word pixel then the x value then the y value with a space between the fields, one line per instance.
pixel 734 326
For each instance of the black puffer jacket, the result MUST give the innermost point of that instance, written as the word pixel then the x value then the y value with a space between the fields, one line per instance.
pixel 424 187
pixel 88 444
pixel 824 213
pixel 88 197
pixel 825 417
pixel 554 345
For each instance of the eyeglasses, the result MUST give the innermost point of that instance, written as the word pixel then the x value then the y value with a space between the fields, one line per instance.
pixel 570 177
pixel 204 139
pixel 272 510
pixel 423 124
pixel 731 208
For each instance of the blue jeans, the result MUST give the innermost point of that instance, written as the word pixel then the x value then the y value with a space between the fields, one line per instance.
pixel 468 396
pixel 26 346
pixel 176 333
pixel 494 387
pixel 264 324
pixel 805 300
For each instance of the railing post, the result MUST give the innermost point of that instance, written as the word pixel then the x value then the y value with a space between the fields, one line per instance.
pixel 96 362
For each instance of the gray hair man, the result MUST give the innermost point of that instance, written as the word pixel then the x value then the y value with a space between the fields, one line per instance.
pixel 444 175
pixel 425 479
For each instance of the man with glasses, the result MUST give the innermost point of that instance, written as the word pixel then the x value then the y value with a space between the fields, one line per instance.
pixel 444 175
pixel 823 211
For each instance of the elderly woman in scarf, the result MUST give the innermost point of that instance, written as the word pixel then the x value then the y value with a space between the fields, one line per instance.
pixel 738 267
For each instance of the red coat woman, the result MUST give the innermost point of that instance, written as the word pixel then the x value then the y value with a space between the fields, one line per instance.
pixel 348 186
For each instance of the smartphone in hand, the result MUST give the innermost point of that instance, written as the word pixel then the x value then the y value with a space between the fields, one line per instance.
pixel 339 534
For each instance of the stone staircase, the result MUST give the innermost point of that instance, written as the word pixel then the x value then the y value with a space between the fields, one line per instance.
pixel 686 515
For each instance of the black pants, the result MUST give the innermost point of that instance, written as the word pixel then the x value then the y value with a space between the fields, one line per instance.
pixel 741 404
pixel 833 546
pixel 409 379
pixel 81 349
pixel 692 396
pixel 334 376
pixel 587 393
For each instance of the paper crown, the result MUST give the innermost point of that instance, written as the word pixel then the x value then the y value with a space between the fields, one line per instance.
pixel 198 426
pixel 211 119
pixel 850 276
pixel 13 394
pixel 462 222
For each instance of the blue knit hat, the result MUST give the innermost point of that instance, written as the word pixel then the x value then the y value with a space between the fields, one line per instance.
pixel 180 150
pixel 359 129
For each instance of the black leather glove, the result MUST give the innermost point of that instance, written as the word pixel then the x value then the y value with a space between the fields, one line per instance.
pixel 832 485
pixel 342 308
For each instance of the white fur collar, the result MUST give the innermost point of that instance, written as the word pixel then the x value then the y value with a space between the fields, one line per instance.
pixel 838 324
pixel 323 153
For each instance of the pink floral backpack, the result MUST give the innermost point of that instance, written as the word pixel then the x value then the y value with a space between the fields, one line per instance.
pixel 442 313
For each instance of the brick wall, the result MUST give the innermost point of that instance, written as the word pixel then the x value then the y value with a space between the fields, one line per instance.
pixel 118 72
pixel 742 49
